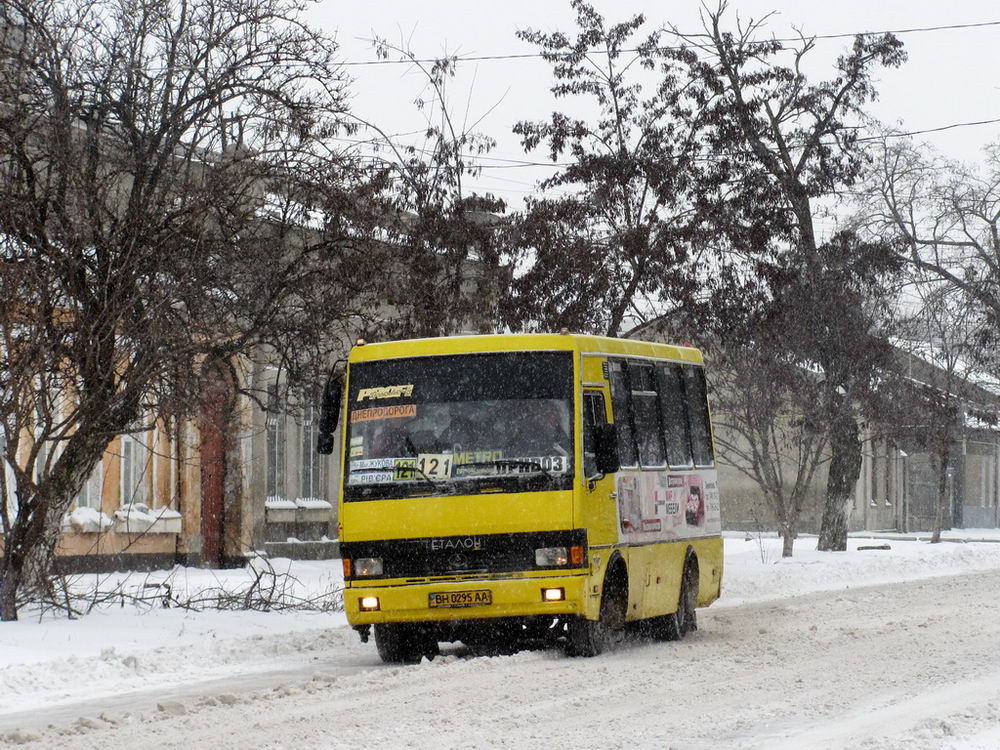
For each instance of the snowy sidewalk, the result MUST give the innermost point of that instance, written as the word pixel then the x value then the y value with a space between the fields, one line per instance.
pixel 952 535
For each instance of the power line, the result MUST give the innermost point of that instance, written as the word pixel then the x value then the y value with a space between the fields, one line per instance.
pixel 931 130
pixel 511 163
pixel 508 163
pixel 535 55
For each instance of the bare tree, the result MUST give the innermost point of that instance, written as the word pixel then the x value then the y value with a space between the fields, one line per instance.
pixel 170 207
pixel 445 272
pixel 954 337
pixel 763 404
pixel 946 218
pixel 785 145
pixel 946 214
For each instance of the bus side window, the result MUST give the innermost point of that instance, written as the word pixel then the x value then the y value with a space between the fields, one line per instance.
pixel 647 418
pixel 674 415
pixel 701 428
pixel 594 415
pixel 620 403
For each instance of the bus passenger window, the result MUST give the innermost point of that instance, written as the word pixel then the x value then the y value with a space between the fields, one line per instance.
pixel 701 430
pixel 647 418
pixel 593 416
pixel 674 416
pixel 620 402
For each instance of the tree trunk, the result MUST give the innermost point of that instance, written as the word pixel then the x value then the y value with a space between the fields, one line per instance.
pixel 787 540
pixel 30 545
pixel 845 467
pixel 28 552
pixel 939 463
pixel 10 580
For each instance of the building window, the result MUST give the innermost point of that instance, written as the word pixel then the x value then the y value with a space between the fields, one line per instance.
pixel 41 425
pixel 133 470
pixel 311 480
pixel 872 477
pixel 987 475
pixel 89 495
pixel 887 474
pixel 275 423
pixel 8 491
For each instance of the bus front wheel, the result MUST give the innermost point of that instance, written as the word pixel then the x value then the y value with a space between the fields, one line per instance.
pixel 592 637
pixel 403 643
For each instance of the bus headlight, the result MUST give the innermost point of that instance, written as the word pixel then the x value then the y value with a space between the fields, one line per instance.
pixel 369 604
pixel 367 566
pixel 551 556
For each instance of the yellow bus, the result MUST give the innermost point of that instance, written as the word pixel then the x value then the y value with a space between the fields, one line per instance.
pixel 512 488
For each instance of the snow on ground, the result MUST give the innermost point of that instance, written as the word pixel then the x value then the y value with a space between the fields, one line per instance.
pixel 755 570
pixel 117 649
pixel 120 648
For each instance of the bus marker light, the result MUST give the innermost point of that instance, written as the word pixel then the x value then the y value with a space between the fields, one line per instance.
pixel 369 604
pixel 576 555
pixel 347 567
pixel 553 595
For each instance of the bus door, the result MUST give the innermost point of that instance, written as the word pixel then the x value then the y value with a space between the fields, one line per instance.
pixel 600 508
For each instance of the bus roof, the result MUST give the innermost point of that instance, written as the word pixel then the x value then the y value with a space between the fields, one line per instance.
pixel 575 342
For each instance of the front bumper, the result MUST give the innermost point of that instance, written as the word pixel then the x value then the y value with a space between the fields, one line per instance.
pixel 511 597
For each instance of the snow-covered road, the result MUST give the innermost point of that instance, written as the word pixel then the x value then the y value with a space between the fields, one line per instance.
pixel 907 664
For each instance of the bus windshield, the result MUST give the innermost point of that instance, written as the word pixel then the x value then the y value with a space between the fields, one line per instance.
pixel 459 424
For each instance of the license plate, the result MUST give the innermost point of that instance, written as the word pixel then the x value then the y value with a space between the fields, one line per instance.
pixel 460 598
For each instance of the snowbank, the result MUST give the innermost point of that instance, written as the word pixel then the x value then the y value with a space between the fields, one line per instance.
pixel 755 570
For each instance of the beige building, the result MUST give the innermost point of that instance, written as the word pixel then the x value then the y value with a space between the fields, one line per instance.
pixel 241 476
pixel 208 490
pixel 896 489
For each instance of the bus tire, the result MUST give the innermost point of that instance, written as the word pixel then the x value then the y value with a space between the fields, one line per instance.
pixel 400 643
pixel 592 637
pixel 684 619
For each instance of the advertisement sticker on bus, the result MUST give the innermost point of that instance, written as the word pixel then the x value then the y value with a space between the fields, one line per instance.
pixel 655 505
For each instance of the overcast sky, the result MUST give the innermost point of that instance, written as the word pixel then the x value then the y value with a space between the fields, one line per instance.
pixel 952 76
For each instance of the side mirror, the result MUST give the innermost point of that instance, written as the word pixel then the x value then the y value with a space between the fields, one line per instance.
pixel 329 414
pixel 606 449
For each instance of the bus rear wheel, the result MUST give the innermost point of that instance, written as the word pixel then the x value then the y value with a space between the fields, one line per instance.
pixel 592 637
pixel 403 643
pixel 676 625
